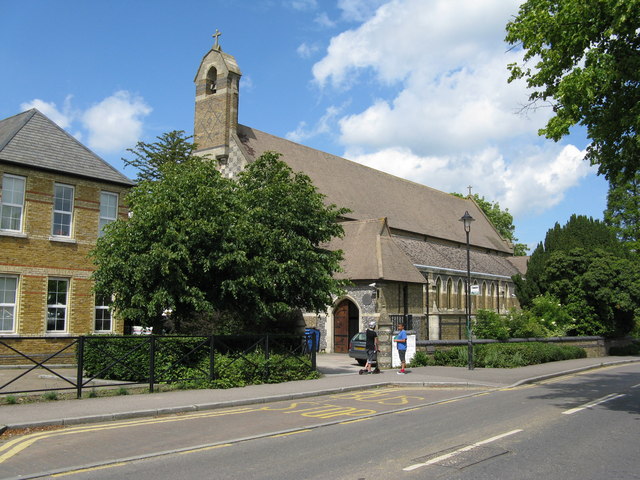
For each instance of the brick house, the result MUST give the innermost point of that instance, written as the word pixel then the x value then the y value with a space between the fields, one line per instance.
pixel 55 198
pixel 404 246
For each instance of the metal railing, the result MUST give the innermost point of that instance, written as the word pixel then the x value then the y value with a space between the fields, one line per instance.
pixel 115 361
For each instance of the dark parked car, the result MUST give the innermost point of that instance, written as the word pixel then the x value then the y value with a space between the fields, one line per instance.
pixel 358 349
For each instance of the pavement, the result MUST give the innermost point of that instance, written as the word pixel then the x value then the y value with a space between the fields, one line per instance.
pixel 340 374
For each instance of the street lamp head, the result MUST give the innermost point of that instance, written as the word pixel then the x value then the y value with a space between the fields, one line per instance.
pixel 466 220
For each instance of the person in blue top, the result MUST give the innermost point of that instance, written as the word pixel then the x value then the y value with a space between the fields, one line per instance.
pixel 401 341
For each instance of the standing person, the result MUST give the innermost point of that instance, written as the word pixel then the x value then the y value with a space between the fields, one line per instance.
pixel 401 342
pixel 372 348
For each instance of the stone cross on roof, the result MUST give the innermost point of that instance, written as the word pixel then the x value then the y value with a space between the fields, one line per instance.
pixel 216 35
pixel 469 187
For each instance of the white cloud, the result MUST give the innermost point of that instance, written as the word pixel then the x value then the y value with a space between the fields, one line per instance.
pixel 303 5
pixel 116 122
pixel 527 185
pixel 358 10
pixel 306 51
pixel 446 116
pixel 324 125
pixel 324 21
pixel 62 118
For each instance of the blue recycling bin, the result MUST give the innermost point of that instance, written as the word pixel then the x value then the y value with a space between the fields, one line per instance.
pixel 313 336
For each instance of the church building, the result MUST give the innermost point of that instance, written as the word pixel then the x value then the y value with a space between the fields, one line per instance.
pixel 405 248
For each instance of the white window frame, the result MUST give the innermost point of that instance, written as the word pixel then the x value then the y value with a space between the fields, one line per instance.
pixel 106 217
pixel 54 305
pixel 62 212
pixel 102 313
pixel 10 203
pixel 8 304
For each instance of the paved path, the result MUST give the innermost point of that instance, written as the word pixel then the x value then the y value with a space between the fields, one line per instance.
pixel 340 375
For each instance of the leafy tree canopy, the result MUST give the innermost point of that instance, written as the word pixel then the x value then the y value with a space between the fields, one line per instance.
pixel 589 271
pixel 148 158
pixel 206 246
pixel 586 66
pixel 623 211
pixel 502 220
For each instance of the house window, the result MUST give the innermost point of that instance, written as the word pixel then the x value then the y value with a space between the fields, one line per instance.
pixel 12 203
pixel 103 314
pixel 8 290
pixel 62 210
pixel 57 293
pixel 108 209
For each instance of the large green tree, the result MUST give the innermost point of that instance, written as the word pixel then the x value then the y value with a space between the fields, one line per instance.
pixel 206 246
pixel 623 210
pixel 582 58
pixel 502 220
pixel 590 271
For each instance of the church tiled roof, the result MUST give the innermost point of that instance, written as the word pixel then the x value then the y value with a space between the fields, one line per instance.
pixel 370 253
pixel 32 140
pixel 448 257
pixel 369 193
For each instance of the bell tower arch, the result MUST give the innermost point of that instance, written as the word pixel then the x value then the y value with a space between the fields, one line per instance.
pixel 216 110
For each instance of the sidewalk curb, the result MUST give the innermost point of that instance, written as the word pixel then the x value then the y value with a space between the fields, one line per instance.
pixel 293 396
pixel 541 378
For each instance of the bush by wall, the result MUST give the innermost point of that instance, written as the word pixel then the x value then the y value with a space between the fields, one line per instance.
pixel 500 355
pixel 186 361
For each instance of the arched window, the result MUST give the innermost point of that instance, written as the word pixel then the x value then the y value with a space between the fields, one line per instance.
pixel 438 292
pixel 493 297
pixel 212 76
pixel 484 295
pixel 449 294
pixel 460 297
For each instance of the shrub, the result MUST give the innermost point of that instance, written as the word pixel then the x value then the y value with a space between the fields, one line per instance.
pixel 185 360
pixel 508 355
pixel 552 315
pixel 421 359
pixel 523 325
pixel 490 325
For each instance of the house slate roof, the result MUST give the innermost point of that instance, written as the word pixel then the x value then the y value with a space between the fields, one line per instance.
pixel 370 253
pixel 31 139
pixel 521 263
pixel 370 193
pixel 447 257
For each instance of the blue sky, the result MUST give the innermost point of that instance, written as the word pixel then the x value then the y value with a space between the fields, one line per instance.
pixel 416 88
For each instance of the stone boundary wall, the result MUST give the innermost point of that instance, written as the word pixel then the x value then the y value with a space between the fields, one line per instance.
pixel 594 346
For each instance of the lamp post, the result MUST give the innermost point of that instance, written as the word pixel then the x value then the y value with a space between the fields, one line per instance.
pixel 466 221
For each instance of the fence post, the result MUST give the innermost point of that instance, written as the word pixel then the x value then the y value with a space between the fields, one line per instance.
pixel 80 372
pixel 152 361
pixel 211 358
pixel 314 347
pixel 266 356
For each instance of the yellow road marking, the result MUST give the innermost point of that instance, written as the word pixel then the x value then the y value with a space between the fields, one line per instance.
pixel 15 446
pixel 91 469
pixel 202 449
pixel 354 421
pixel 290 433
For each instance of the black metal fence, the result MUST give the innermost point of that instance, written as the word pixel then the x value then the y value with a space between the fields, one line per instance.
pixel 113 361
pixel 406 320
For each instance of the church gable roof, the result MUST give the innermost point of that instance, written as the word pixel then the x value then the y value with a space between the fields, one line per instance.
pixel 31 139
pixel 447 257
pixel 370 253
pixel 370 193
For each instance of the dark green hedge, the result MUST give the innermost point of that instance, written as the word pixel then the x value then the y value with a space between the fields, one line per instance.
pixel 501 355
pixel 186 360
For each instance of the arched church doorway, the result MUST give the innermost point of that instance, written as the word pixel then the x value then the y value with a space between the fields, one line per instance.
pixel 345 325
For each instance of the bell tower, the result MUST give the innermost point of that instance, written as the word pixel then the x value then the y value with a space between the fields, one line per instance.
pixel 216 113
